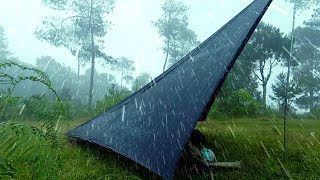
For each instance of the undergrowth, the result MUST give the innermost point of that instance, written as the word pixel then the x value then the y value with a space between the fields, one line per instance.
pixel 28 152
pixel 258 144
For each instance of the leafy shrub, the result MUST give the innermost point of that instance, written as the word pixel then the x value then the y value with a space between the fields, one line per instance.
pixel 9 108
pixel 110 100
pixel 27 147
pixel 38 105
pixel 238 104
pixel 314 114
pixel 215 113
pixel 40 108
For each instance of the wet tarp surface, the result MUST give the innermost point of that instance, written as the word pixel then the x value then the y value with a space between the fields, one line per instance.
pixel 152 126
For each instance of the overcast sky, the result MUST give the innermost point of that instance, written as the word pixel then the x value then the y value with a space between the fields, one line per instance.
pixel 132 34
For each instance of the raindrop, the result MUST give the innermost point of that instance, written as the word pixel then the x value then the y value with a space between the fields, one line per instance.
pixel 191 58
pixel 265 149
pixel 22 109
pixel 123 111
pixel 231 131
pixel 136 102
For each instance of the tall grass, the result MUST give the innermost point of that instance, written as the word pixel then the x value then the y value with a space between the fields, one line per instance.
pixel 257 143
pixel 28 152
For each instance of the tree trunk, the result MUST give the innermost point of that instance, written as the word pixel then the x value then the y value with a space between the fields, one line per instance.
pixel 167 55
pixel 286 108
pixel 92 55
pixel 113 89
pixel 78 69
pixel 121 80
pixel 264 95
pixel 168 45
pixel 311 102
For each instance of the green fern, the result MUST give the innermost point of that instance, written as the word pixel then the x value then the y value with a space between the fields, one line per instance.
pixel 6 168
pixel 5 78
pixel 37 148
pixel 31 145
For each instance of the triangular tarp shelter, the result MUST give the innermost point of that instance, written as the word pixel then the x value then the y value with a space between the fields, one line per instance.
pixel 153 125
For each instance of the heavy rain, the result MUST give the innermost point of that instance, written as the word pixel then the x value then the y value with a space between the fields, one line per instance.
pixel 161 89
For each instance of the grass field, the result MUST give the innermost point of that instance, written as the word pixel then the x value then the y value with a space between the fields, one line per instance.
pixel 258 143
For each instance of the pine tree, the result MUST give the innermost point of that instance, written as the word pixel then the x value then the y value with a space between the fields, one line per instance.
pixel 85 27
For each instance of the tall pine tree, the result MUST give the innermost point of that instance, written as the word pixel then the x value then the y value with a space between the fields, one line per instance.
pixel 265 48
pixel 173 27
pixel 84 26
pixel 307 74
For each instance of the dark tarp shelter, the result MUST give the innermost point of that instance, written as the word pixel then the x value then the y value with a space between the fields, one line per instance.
pixel 153 125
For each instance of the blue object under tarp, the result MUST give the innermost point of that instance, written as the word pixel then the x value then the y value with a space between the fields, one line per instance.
pixel 153 125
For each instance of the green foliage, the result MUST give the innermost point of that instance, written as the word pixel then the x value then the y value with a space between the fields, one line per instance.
pixel 41 108
pixel 38 106
pixel 26 152
pixel 35 148
pixel 259 146
pixel 267 42
pixel 86 27
pixel 279 87
pixel 65 81
pixel 10 108
pixel 303 4
pixel 23 144
pixel 238 104
pixel 216 113
pixel 56 4
pixel 125 67
pixel 173 27
pixel 72 31
pixel 240 77
pixel 65 94
pixel 4 53
pixel 8 79
pixel 6 168
pixel 266 49
pixel 315 20
pixel 111 100
pixel 140 81
pixel 306 43
pixel 306 74
pixel 277 113
pixel 7 101
pixel 314 114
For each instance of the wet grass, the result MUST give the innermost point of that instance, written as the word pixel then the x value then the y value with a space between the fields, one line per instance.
pixel 258 143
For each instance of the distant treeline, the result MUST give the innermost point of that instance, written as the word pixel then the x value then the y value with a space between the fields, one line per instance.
pixel 73 90
pixel 263 61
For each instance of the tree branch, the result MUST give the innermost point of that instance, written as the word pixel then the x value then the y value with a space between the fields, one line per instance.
pixel 262 64
pixel 257 76
pixel 273 63
pixel 70 17
pixel 62 21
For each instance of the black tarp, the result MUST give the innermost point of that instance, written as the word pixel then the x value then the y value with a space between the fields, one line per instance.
pixel 152 126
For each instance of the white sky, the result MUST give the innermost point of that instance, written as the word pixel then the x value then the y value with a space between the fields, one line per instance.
pixel 132 34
